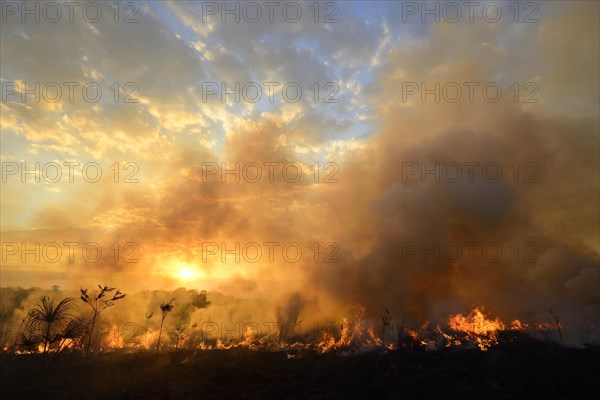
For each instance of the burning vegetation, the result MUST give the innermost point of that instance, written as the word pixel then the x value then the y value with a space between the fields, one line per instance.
pixel 58 324
pixel 66 350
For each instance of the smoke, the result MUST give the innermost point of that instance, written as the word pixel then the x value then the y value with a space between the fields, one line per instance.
pixel 553 218
pixel 288 315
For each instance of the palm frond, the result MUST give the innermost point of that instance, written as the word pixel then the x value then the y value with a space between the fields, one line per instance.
pixel 47 313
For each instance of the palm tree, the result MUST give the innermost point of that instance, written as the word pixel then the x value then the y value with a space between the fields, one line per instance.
pixel 73 331
pixel 99 303
pixel 47 324
pixel 165 308
pixel 47 321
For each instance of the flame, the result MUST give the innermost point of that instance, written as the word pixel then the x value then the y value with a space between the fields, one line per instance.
pixel 517 325
pixel 250 341
pixel 482 331
pixel 148 339
pixel 355 335
pixel 114 339
pixel 203 346
pixel 476 323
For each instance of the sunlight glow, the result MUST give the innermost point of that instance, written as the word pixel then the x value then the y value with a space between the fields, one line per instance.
pixel 185 272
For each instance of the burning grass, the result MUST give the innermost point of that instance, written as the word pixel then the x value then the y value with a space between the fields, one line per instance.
pixel 356 334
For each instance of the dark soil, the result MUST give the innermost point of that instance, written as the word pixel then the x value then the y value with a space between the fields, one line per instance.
pixel 525 369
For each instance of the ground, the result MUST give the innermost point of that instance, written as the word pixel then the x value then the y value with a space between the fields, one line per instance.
pixel 524 370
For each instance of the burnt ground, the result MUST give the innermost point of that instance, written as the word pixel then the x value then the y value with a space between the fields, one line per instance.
pixel 525 369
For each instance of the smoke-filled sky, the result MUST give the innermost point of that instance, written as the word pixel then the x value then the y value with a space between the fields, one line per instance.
pixel 422 157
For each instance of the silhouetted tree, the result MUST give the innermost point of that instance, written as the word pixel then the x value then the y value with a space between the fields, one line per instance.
pixel 165 308
pixel 98 303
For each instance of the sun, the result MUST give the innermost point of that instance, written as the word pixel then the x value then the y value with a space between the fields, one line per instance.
pixel 186 272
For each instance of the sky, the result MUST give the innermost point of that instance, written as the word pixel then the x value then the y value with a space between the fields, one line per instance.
pixel 446 158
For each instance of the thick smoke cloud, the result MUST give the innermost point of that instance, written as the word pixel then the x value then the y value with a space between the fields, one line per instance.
pixel 558 212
